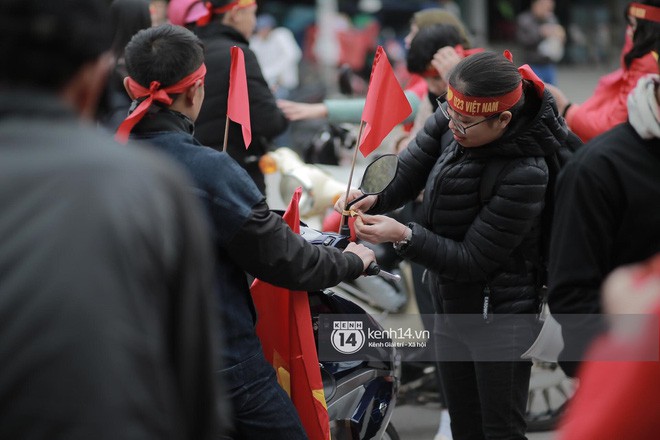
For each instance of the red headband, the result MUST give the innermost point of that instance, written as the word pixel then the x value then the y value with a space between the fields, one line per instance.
pixel 490 105
pixel 211 11
pixel 154 93
pixel 431 72
pixel 644 12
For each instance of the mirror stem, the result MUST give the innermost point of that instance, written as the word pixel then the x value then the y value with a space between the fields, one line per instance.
pixel 344 229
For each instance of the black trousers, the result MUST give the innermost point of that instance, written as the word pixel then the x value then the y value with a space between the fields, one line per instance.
pixel 485 382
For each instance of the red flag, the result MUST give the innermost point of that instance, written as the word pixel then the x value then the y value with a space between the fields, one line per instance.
pixel 238 103
pixel 386 104
pixel 287 338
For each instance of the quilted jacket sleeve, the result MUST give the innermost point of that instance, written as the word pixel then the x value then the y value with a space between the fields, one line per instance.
pixel 498 229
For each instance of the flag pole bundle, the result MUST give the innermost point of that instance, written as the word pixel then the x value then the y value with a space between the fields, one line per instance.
pixel 385 107
pixel 238 102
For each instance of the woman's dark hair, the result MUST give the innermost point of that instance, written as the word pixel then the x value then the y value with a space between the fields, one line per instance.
pixel 427 42
pixel 166 54
pixel 645 36
pixel 127 18
pixel 487 74
pixel 45 43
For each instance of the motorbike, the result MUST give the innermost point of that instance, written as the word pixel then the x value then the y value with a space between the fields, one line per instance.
pixel 320 190
pixel 360 394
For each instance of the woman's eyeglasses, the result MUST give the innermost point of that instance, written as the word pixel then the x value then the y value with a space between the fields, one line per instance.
pixel 462 129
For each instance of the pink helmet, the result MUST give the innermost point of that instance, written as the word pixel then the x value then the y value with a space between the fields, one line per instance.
pixel 182 12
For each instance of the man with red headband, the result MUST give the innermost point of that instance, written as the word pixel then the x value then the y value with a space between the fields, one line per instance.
pixel 106 287
pixel 167 76
pixel 222 24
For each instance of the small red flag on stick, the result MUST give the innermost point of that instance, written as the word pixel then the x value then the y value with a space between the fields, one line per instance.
pixel 238 102
pixel 386 104
pixel 287 338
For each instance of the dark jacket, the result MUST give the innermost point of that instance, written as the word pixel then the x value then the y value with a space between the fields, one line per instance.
pixel 467 246
pixel 266 119
pixel 248 236
pixel 105 285
pixel 607 214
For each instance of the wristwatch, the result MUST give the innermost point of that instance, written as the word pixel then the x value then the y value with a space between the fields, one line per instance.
pixel 400 245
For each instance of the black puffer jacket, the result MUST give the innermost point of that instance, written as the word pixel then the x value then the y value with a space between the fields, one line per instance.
pixel 266 119
pixel 467 246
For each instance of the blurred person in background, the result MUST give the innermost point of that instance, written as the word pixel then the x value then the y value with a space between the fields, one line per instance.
pixel 350 110
pixel 158 10
pixel 127 17
pixel 607 105
pixel 106 287
pixel 607 214
pixel 541 38
pixel 222 24
pixel 278 54
pixel 620 379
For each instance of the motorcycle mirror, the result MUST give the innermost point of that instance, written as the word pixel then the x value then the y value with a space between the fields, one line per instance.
pixel 379 174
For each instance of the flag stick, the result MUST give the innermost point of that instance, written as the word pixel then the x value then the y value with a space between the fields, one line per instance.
pixel 350 176
pixel 224 141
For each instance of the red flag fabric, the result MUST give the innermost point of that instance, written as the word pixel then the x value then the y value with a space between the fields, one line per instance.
pixel 386 104
pixel 238 102
pixel 287 338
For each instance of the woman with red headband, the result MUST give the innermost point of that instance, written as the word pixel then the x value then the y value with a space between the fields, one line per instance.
pixel 482 256
pixel 607 105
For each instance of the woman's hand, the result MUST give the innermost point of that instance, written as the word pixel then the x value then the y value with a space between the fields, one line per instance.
pixel 379 229
pixel 363 205
pixel 296 111
pixel 444 61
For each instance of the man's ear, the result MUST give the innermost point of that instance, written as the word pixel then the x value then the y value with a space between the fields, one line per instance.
pixel 191 94
pixel 128 90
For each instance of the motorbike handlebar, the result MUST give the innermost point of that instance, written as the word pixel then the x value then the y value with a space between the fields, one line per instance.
pixel 374 269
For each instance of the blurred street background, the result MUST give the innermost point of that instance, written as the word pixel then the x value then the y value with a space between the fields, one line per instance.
pixel 341 35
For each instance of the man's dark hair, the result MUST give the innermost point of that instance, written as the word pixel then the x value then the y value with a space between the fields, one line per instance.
pixel 427 42
pixel 166 54
pixel 43 43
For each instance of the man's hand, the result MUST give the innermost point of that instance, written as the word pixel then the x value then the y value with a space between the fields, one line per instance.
pixel 366 255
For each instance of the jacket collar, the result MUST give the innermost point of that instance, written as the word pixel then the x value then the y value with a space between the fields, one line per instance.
pixel 216 29
pixel 159 119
